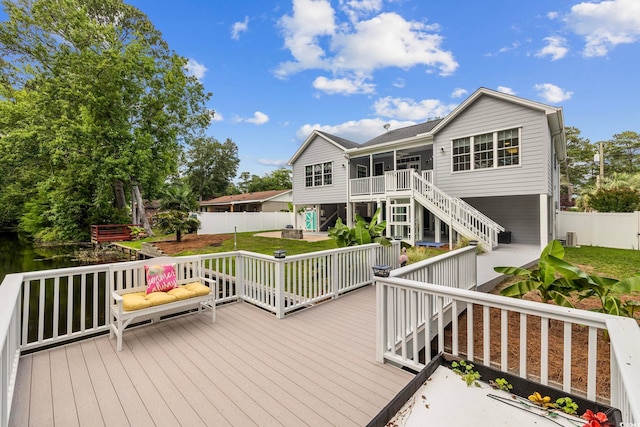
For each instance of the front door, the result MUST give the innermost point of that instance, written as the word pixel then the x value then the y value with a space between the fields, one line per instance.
pixel 310 221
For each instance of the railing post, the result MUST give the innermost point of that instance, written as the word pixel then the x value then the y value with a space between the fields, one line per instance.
pixel 279 288
pixel 381 316
pixel 335 276
pixel 240 290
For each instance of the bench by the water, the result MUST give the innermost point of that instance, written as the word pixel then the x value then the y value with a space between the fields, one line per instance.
pixel 111 232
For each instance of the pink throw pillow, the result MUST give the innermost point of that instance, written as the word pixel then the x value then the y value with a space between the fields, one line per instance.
pixel 160 278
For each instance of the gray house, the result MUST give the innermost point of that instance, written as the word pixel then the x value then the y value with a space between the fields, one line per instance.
pixel 488 171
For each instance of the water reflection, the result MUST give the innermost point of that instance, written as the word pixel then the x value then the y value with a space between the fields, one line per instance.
pixel 18 254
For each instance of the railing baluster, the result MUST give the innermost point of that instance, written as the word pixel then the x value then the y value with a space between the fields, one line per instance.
pixel 486 336
pixel 544 351
pixel 470 332
pixel 566 358
pixel 504 340
pixel 591 363
pixel 523 346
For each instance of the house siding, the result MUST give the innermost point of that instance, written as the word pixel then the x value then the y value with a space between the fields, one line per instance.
pixel 518 214
pixel 488 114
pixel 320 151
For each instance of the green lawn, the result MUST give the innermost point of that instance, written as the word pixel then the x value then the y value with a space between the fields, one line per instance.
pixel 614 263
pixel 248 242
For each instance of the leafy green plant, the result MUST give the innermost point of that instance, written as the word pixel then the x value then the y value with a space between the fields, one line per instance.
pixel 567 405
pixel 557 280
pixel 363 233
pixel 501 384
pixel 466 371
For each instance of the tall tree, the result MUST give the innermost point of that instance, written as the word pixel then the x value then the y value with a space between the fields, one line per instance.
pixel 279 179
pixel 102 107
pixel 578 169
pixel 623 153
pixel 175 216
pixel 211 166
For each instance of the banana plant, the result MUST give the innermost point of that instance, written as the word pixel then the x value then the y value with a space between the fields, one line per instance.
pixel 558 281
pixel 364 232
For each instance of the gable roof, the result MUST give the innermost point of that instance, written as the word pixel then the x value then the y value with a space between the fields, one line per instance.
pixel 257 197
pixel 341 143
pixel 403 133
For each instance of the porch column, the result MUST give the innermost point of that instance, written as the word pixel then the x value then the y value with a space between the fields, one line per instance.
pixel 412 221
pixel 437 229
pixel 349 214
pixel 544 220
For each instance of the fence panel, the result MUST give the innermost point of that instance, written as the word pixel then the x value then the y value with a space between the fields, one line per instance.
pixel 224 222
pixel 611 230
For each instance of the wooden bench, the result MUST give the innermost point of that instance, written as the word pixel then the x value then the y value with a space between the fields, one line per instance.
pixel 129 277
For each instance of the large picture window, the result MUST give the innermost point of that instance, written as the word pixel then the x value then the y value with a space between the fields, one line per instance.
pixel 488 150
pixel 318 175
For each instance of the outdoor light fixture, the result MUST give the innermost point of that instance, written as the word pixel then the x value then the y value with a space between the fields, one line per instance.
pixel 442 149
pixel 381 270
pixel 280 254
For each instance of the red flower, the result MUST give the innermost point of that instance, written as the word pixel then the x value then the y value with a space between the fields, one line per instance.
pixel 595 420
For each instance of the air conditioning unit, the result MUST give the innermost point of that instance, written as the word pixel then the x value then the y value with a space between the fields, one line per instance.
pixel 572 239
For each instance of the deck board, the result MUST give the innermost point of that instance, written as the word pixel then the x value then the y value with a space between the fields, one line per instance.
pixel 315 367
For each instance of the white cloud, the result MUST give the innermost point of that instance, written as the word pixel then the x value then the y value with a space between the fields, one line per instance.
pixel 216 116
pixel 556 48
pixel 273 162
pixel 507 90
pixel 343 86
pixel 239 27
pixel 196 69
pixel 408 109
pixel 459 92
pixel 358 8
pixel 259 118
pixel 354 130
pixel 605 24
pixel 317 41
pixel 552 15
pixel 399 83
pixel 552 93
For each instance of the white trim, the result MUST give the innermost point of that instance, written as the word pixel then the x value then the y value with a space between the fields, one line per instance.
pixel 544 220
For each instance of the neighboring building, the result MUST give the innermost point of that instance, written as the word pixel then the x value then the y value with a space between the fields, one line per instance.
pixel 260 201
pixel 489 166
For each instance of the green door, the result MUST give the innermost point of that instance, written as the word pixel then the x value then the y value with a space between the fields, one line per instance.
pixel 310 221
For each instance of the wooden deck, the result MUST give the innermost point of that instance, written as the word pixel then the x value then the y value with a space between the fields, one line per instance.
pixel 315 367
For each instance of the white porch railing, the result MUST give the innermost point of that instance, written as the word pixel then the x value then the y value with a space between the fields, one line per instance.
pixel 367 186
pixel 403 334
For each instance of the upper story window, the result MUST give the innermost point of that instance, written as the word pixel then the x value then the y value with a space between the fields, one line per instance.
pixel 318 175
pixel 362 171
pixel 489 150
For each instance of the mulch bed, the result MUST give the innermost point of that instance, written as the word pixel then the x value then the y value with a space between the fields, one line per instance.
pixel 192 242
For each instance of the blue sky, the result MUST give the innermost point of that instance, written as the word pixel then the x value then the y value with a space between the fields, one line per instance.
pixel 279 69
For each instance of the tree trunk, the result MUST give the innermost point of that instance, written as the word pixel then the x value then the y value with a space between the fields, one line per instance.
pixel 134 208
pixel 178 235
pixel 141 211
pixel 121 200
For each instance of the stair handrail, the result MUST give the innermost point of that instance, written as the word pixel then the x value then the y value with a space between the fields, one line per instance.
pixel 423 187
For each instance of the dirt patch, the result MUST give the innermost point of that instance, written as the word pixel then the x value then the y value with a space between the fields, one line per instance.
pixel 192 242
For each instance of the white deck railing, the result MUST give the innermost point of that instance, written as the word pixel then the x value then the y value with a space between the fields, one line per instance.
pixel 368 185
pixel 403 336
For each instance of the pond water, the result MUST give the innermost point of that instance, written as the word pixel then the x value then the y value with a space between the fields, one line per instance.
pixel 19 254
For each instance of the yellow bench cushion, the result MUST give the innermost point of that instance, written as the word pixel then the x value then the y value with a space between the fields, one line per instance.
pixel 182 293
pixel 140 300
pixel 135 301
pixel 158 298
pixel 198 288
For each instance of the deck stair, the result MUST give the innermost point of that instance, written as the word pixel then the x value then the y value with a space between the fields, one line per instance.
pixel 453 211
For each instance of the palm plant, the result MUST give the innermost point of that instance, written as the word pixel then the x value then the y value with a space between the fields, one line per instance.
pixel 176 204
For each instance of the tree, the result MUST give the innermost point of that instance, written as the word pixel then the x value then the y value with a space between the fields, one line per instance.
pixel 279 179
pixel 175 215
pixel 615 199
pixel 623 152
pixel 577 170
pixel 97 104
pixel 211 166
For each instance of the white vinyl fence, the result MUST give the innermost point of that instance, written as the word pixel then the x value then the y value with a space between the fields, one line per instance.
pixel 226 222
pixel 611 230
